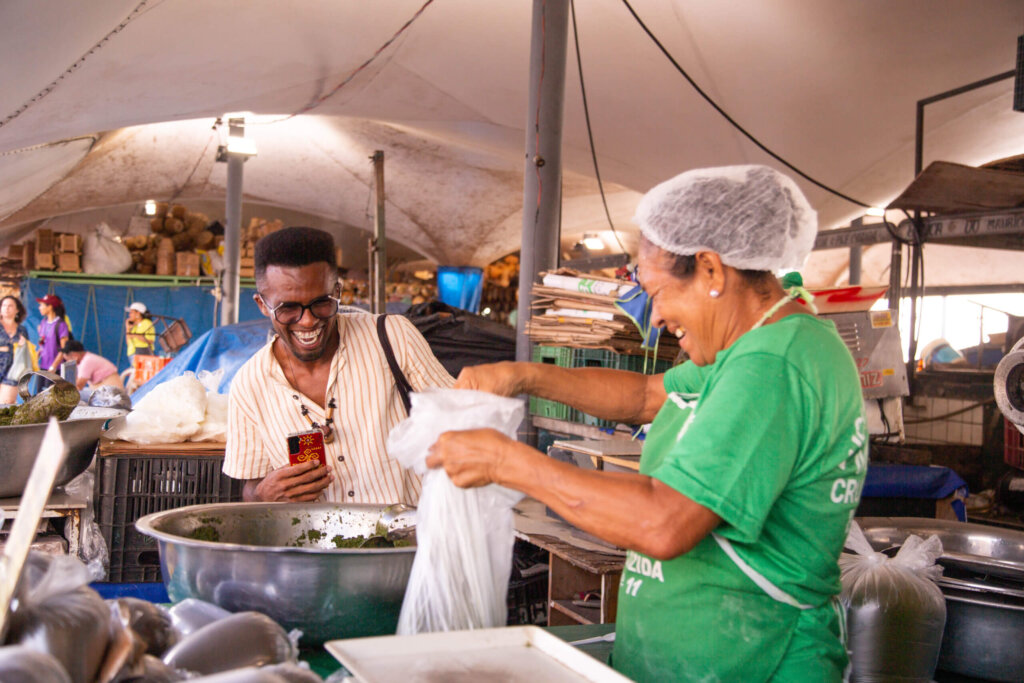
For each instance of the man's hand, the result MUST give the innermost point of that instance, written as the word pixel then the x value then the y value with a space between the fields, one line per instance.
pixel 472 457
pixel 503 379
pixel 292 483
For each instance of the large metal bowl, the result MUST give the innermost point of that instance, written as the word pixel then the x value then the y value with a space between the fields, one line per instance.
pixel 19 446
pixel 281 559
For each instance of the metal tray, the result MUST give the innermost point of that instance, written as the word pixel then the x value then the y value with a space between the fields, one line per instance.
pixel 513 653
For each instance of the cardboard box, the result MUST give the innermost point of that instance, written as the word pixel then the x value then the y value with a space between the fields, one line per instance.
pixel 28 261
pixel 69 243
pixel 16 252
pixel 247 272
pixel 45 261
pixel 69 263
pixel 45 241
pixel 187 264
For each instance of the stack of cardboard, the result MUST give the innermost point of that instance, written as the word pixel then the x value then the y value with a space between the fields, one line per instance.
pixel 571 309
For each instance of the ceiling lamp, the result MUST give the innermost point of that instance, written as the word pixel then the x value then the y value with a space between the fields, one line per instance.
pixel 592 242
pixel 150 207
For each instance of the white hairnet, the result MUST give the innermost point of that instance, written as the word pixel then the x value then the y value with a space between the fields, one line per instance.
pixel 754 217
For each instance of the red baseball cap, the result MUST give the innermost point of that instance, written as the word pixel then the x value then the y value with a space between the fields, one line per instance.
pixel 50 300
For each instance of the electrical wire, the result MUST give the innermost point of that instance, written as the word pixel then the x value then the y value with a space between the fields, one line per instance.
pixel 732 121
pixel 323 98
pixel 590 132
pixel 134 14
pixel 195 167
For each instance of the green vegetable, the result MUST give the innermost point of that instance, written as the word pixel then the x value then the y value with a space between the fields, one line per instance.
pixel 6 414
pixel 56 401
pixel 205 533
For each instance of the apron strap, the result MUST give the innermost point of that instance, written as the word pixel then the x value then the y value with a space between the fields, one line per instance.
pixel 764 584
pixel 401 383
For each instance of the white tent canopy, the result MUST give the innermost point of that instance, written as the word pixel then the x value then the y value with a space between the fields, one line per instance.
pixel 108 103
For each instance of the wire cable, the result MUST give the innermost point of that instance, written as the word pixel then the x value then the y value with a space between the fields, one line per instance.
pixel 77 63
pixel 323 98
pixel 732 121
pixel 590 132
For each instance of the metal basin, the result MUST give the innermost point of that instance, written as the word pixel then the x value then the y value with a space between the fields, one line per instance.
pixel 984 590
pixel 282 559
pixel 20 444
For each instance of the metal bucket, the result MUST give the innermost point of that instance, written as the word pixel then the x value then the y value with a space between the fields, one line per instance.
pixel 20 444
pixel 282 559
pixel 983 587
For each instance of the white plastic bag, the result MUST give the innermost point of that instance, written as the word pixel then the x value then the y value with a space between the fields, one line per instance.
pixel 895 611
pixel 464 537
pixel 102 253
pixel 214 426
pixel 171 413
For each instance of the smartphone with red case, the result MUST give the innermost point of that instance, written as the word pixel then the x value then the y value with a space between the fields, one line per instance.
pixel 306 446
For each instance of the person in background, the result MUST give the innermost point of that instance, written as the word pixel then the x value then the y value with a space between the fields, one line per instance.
pixel 322 371
pixel 12 315
pixel 93 370
pixel 53 332
pixel 140 333
pixel 755 458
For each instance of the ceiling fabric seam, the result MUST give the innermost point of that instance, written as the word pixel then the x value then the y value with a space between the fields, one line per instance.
pixel 74 66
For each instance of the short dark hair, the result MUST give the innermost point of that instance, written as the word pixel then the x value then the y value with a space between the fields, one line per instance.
pixel 19 317
pixel 73 346
pixel 291 247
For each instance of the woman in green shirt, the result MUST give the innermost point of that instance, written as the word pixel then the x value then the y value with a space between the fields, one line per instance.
pixel 754 461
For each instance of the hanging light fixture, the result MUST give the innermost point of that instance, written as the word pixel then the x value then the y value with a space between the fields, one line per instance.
pixel 592 242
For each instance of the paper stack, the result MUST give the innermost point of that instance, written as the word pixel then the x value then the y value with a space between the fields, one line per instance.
pixel 570 309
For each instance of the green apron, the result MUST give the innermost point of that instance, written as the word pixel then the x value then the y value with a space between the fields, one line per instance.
pixel 700 617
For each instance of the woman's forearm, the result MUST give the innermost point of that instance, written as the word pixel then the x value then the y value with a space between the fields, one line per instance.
pixel 630 510
pixel 608 394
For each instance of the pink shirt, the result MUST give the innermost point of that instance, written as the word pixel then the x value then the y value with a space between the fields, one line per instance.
pixel 95 368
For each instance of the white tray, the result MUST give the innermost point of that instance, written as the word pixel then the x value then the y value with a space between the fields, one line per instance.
pixel 513 653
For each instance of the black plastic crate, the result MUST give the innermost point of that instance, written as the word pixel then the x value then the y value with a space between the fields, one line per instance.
pixel 132 486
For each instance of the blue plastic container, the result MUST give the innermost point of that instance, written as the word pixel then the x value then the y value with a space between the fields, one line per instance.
pixel 460 286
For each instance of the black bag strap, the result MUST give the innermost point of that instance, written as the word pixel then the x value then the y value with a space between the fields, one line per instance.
pixel 404 388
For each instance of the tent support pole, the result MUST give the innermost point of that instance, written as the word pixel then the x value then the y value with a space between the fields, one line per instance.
pixel 379 261
pixel 542 180
pixel 542 177
pixel 233 229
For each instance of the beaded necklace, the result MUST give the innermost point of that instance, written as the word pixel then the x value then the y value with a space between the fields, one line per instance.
pixel 327 428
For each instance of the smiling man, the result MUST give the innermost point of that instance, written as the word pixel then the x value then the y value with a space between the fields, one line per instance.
pixel 324 373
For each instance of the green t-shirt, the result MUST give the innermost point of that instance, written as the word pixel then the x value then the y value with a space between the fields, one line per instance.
pixel 772 438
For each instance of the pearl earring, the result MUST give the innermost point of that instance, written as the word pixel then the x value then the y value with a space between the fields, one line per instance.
pixel 714 294
pixel 679 333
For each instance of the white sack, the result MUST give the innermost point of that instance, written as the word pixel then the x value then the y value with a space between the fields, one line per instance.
pixel 171 413
pixel 464 537
pixel 102 253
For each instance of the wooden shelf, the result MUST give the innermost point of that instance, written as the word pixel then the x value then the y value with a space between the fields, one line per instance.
pixel 577 564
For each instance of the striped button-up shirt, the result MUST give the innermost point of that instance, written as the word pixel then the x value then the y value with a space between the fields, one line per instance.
pixel 263 411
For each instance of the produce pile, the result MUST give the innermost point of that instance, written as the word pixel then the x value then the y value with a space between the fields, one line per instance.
pixel 57 400
pixel 62 631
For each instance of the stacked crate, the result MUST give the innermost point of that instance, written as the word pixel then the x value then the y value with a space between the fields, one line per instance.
pixel 69 252
pixel 566 357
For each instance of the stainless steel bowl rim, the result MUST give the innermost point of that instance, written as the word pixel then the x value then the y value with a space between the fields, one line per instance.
pixel 146 524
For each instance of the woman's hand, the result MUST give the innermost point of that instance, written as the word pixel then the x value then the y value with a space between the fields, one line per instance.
pixel 471 458
pixel 503 379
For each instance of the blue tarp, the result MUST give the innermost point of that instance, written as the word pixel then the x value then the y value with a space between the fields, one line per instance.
pixel 97 312
pixel 914 481
pixel 222 348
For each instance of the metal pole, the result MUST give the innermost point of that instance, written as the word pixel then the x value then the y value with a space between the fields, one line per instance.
pixel 379 266
pixel 855 261
pixel 233 229
pixel 542 181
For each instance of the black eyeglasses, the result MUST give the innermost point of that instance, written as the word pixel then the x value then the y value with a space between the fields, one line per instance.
pixel 291 312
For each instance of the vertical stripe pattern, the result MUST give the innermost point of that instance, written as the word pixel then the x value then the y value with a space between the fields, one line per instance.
pixel 262 412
